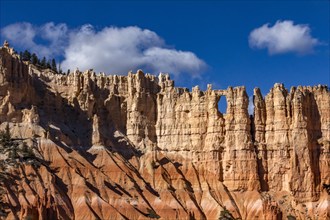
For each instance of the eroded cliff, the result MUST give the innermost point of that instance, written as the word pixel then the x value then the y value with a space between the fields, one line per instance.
pixel 136 147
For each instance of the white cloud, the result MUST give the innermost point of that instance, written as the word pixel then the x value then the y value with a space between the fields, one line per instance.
pixel 167 59
pixel 24 35
pixel 21 34
pixel 119 50
pixel 111 50
pixel 283 37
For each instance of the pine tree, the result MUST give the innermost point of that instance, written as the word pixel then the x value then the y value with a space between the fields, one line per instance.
pixel 43 62
pixel 68 72
pixel 5 138
pixel 26 56
pixel 34 59
pixel 14 152
pixel 60 71
pixel 48 64
pixel 53 65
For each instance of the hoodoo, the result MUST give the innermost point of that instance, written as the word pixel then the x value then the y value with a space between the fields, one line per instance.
pixel 137 147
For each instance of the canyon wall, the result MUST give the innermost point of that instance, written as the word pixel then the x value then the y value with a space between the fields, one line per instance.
pixel 137 147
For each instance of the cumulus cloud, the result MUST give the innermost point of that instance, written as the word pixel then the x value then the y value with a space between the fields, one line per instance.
pixel 25 35
pixel 119 50
pixel 283 37
pixel 111 50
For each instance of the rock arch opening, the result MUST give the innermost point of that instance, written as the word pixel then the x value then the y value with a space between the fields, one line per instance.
pixel 222 105
pixel 251 106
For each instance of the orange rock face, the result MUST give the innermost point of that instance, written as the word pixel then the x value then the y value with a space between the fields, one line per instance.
pixel 136 147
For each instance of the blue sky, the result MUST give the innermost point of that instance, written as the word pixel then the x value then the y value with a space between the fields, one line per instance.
pixel 199 41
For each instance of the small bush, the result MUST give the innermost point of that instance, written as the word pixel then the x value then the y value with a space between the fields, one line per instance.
pixel 291 217
pixel 226 215
pixel 152 214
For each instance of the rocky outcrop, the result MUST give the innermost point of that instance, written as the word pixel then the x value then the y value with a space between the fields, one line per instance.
pixel 136 147
pixel 290 138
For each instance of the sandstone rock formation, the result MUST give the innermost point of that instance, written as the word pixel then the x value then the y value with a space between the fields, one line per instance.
pixel 137 147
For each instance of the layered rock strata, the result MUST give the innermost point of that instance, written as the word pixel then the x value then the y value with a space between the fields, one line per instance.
pixel 137 147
